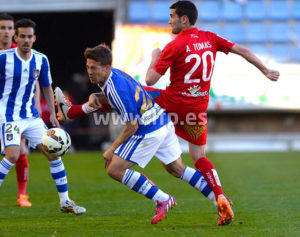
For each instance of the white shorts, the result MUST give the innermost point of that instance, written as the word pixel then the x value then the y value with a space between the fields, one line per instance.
pixel 32 129
pixel 162 143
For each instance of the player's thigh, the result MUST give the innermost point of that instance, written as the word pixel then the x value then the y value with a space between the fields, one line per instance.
pixel 169 149
pixel 139 149
pixel 11 138
pixel 23 145
pixel 11 133
pixel 34 132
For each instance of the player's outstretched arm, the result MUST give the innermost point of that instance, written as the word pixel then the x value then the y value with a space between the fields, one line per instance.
pixel 273 75
pixel 152 76
pixel 49 97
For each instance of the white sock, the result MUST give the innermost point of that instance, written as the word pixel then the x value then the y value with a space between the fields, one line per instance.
pixel 140 183
pixel 59 176
pixel 5 166
pixel 88 109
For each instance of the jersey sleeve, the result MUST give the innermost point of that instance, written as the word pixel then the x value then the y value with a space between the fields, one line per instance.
pixel 124 103
pixel 165 60
pixel 45 75
pixel 223 44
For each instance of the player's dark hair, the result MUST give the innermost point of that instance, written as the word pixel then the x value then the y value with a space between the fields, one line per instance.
pixel 24 23
pixel 6 17
pixel 101 53
pixel 186 8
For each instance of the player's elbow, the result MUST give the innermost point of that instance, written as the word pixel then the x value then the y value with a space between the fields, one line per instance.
pixel 152 77
pixel 149 82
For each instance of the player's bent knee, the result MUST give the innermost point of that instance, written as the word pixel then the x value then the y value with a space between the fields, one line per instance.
pixel 115 172
pixel 12 158
pixel 176 168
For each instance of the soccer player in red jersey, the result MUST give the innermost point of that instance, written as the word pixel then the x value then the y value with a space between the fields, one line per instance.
pixel 190 57
pixel 7 31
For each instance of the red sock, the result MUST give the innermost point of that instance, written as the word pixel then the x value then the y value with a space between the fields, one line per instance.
pixel 210 174
pixel 77 111
pixel 22 173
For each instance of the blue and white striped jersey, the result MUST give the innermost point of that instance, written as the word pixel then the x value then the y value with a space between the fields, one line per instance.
pixel 18 83
pixel 131 101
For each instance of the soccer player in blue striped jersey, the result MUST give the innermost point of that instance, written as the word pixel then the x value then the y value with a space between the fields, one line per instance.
pixel 20 68
pixel 7 32
pixel 148 131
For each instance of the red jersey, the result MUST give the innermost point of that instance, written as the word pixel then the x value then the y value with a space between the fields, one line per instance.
pixel 13 45
pixel 191 56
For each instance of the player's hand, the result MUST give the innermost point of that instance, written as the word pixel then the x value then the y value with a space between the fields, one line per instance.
pixel 107 155
pixel 156 54
pixel 94 101
pixel 53 120
pixel 273 75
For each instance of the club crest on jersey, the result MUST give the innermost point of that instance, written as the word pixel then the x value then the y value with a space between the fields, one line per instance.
pixel 9 137
pixel 36 73
pixel 193 91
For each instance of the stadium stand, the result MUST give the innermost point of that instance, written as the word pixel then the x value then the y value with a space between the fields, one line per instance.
pixel 254 22
pixel 296 10
pixel 234 32
pixel 232 11
pixel 209 11
pixel 256 11
pixel 279 33
pixel 138 11
pixel 279 10
pixel 256 33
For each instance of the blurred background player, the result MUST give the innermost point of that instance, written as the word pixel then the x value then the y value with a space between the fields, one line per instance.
pixel 7 32
pixel 21 67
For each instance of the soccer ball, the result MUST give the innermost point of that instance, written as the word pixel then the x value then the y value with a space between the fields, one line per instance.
pixel 56 142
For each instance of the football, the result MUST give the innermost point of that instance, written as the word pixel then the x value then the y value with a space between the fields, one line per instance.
pixel 56 142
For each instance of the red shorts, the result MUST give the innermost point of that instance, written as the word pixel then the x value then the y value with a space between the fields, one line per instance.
pixel 190 123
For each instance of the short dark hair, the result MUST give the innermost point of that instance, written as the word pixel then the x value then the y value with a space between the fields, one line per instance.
pixel 101 53
pixel 6 17
pixel 24 23
pixel 186 8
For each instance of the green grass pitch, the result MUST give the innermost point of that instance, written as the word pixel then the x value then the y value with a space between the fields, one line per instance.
pixel 265 189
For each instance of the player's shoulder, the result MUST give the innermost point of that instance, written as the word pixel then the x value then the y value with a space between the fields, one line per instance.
pixel 121 80
pixel 206 33
pixel 7 51
pixel 39 54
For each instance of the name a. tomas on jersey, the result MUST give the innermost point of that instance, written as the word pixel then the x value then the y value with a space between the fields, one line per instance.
pixel 199 46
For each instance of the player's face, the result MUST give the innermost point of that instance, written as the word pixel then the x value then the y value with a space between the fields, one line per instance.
pixel 25 38
pixel 7 31
pixel 98 73
pixel 175 22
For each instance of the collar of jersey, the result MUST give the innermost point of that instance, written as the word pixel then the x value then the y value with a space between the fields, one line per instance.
pixel 188 31
pixel 106 82
pixel 19 57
